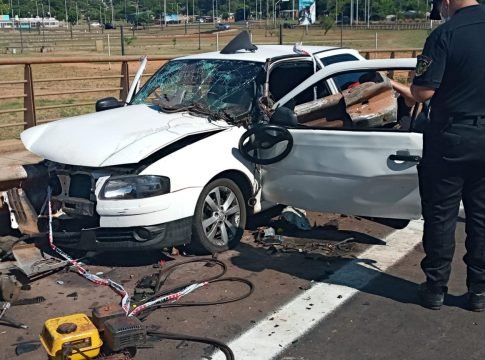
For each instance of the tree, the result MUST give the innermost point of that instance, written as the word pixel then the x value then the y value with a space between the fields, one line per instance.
pixel 326 22
pixel 4 8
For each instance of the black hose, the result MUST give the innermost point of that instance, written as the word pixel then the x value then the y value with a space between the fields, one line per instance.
pixel 164 274
pixel 226 350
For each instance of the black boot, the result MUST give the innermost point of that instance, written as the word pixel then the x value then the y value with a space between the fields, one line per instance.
pixel 431 297
pixel 476 301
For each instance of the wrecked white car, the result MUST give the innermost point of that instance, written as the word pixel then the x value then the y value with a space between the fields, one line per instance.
pixel 166 170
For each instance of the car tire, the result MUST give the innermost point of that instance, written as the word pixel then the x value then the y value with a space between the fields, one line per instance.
pixel 219 218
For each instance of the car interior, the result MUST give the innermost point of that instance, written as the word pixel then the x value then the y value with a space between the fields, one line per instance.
pixel 366 100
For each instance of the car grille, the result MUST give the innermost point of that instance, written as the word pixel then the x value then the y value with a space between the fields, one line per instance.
pixel 80 186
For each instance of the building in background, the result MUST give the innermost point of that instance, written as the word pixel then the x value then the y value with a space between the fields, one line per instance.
pixel 7 22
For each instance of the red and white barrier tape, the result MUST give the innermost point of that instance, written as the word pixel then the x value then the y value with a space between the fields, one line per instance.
pixel 125 301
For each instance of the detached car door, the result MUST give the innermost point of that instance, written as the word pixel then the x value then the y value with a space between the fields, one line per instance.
pixel 365 165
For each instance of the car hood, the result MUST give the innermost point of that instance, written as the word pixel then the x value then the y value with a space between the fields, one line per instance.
pixel 114 137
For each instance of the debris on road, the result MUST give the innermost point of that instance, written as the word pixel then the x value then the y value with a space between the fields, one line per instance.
pixel 26 347
pixel 296 217
pixel 4 306
pixel 33 262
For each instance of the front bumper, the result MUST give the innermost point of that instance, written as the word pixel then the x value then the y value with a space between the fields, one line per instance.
pixel 147 224
pixel 155 237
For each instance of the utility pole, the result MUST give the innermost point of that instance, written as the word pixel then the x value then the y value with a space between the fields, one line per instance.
pixel 112 13
pixel 165 13
pixel 77 15
pixel 65 8
pixel 351 12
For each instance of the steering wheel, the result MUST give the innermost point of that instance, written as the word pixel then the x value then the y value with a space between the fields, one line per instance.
pixel 264 137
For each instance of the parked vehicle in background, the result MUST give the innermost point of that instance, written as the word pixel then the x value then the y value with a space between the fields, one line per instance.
pixel 222 26
pixel 95 24
pixel 109 26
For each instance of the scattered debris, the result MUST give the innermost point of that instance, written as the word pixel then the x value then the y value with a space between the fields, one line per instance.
pixel 4 306
pixel 9 288
pixel 60 282
pixel 33 262
pixel 72 295
pixel 26 347
pixel 296 217
pixel 30 301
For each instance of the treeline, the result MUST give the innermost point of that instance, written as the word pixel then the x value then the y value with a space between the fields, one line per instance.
pixel 146 10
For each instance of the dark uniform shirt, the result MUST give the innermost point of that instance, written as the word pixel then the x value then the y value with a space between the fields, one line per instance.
pixel 453 63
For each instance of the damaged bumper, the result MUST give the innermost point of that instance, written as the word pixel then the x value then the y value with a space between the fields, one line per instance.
pixel 25 218
pixel 81 220
pixel 154 237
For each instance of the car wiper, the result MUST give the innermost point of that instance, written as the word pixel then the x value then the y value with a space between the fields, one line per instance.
pixel 174 109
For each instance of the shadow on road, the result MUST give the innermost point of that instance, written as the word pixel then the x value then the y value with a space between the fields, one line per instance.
pixel 356 273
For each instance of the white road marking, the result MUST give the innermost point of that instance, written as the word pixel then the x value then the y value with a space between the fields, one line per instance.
pixel 295 320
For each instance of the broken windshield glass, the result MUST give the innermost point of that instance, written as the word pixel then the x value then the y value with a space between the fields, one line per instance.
pixel 228 86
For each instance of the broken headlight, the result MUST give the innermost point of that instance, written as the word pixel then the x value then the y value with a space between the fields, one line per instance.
pixel 134 187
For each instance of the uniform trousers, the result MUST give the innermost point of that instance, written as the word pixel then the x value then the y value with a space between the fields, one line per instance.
pixel 453 169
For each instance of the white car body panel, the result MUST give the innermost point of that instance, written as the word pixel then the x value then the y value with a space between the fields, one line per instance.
pixel 347 172
pixel 144 212
pixel 189 170
pixel 198 163
pixel 115 137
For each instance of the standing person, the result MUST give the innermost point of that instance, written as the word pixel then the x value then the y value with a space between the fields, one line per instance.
pixel 451 72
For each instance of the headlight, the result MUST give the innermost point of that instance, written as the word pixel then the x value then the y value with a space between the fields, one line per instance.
pixel 135 187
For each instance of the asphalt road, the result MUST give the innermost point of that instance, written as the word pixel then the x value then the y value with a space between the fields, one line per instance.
pixel 378 317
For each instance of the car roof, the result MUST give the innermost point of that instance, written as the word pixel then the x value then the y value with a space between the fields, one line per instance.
pixel 263 53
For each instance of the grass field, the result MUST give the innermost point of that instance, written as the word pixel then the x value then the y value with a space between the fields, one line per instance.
pixel 171 41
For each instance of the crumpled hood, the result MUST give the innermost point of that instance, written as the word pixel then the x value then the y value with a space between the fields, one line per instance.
pixel 114 137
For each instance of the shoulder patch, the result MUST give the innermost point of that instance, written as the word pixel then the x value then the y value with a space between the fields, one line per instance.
pixel 423 64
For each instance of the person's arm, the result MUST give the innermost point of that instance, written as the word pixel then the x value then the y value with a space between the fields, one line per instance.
pixel 421 93
pixel 430 66
pixel 405 92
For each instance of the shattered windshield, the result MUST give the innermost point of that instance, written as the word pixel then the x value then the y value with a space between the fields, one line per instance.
pixel 210 84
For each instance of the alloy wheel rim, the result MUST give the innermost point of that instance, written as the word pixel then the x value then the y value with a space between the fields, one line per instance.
pixel 221 214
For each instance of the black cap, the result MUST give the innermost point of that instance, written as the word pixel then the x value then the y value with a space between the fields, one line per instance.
pixel 435 11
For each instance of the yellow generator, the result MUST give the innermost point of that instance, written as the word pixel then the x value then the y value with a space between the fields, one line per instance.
pixel 72 337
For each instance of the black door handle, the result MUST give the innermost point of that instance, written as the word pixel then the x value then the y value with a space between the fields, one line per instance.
pixel 412 158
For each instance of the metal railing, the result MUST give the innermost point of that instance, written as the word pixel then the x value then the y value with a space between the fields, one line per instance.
pixel 30 97
pixel 29 82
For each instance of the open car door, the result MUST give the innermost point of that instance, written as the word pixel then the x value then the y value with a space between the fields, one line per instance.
pixel 359 165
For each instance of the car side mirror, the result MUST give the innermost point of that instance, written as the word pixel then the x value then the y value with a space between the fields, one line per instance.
pixel 108 103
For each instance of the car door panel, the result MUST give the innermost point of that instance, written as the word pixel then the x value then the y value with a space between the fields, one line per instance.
pixel 347 172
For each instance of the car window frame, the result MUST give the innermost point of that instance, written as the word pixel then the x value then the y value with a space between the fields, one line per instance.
pixel 332 73
pixel 275 63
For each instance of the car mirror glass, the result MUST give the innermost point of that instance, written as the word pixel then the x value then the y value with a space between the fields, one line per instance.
pixel 108 103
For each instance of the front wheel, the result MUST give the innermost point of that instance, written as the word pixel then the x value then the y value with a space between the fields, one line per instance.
pixel 219 218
